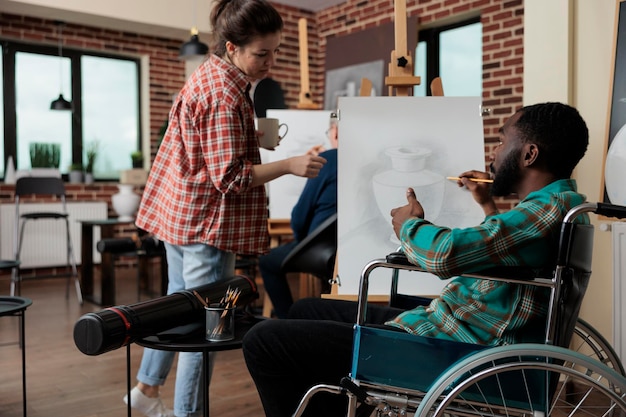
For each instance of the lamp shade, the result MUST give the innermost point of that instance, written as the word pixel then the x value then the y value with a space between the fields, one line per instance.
pixel 60 104
pixel 193 48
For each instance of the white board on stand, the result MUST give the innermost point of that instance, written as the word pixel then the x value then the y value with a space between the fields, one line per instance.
pixel 307 128
pixel 443 133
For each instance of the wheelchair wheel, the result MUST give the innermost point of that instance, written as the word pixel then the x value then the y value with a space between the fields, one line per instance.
pixel 588 341
pixel 526 380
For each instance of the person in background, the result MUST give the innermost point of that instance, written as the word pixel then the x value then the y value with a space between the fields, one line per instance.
pixel 539 147
pixel 317 202
pixel 205 196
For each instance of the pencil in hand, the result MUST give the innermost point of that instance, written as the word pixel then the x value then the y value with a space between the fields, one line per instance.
pixel 485 180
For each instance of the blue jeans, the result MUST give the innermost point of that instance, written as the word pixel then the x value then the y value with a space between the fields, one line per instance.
pixel 188 266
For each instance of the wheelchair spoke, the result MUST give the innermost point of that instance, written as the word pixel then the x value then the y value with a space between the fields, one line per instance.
pixel 524 384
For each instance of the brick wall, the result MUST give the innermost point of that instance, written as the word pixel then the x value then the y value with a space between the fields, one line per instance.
pixel 502 53
pixel 503 33
pixel 166 77
pixel 166 70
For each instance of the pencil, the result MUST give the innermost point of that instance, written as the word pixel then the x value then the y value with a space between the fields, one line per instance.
pixel 471 179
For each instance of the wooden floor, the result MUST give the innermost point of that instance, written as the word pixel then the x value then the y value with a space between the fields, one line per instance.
pixel 62 381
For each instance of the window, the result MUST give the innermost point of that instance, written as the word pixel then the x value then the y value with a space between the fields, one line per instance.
pixel 454 53
pixel 104 91
pixel 110 104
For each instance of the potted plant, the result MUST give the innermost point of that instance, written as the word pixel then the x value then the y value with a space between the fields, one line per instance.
pixel 76 173
pixel 137 159
pixel 45 158
pixel 91 154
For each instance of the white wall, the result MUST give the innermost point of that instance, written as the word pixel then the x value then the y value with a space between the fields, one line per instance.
pixel 568 55
pixel 167 18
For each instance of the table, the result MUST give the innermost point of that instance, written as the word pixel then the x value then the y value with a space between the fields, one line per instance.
pixel 107 284
pixel 191 338
pixel 16 306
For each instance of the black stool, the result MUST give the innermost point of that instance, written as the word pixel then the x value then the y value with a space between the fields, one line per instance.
pixel 16 306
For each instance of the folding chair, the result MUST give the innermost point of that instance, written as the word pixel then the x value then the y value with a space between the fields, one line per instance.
pixel 42 186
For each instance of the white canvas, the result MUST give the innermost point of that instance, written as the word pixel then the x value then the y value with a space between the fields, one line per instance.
pixel 307 128
pixel 450 128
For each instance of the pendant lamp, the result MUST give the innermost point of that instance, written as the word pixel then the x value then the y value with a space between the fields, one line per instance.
pixel 193 47
pixel 60 103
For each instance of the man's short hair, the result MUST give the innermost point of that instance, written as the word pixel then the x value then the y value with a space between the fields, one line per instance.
pixel 560 133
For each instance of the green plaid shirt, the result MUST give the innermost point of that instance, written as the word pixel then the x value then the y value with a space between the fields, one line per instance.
pixel 481 311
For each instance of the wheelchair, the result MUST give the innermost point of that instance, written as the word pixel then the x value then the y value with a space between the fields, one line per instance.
pixel 575 372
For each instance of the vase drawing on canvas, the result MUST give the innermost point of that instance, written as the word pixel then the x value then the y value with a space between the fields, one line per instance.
pixel 408 169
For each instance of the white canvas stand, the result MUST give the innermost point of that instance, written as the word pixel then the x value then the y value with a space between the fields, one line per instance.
pixel 450 128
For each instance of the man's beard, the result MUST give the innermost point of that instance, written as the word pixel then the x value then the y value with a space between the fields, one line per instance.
pixel 507 176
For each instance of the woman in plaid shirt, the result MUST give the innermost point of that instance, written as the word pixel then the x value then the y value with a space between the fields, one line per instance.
pixel 539 147
pixel 205 197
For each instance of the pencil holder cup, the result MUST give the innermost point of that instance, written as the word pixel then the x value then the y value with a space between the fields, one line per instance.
pixel 220 323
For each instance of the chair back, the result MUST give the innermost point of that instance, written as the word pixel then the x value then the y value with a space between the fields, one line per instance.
pixel 316 253
pixel 40 186
pixel 573 272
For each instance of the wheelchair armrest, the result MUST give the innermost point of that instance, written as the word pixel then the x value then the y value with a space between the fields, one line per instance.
pixel 398 258
pixel 512 272
pixel 399 261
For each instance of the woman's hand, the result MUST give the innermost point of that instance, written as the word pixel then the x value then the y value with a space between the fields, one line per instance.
pixel 316 150
pixel 306 165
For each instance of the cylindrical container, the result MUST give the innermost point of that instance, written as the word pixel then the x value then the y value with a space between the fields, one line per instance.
pixel 114 327
pixel 116 245
pixel 220 323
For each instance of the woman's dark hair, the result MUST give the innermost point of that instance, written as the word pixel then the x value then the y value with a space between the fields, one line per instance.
pixel 240 21
pixel 560 133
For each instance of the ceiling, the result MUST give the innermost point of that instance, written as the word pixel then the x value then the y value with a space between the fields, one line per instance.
pixel 313 5
pixel 42 9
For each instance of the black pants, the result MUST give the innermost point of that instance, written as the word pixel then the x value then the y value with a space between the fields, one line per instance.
pixel 312 346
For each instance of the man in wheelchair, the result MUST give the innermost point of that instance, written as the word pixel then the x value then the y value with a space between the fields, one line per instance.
pixel 539 147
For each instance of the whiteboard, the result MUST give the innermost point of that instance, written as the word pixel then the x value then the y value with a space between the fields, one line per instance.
pixel 372 129
pixel 307 128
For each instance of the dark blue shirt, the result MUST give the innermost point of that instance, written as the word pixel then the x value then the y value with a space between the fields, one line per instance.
pixel 318 200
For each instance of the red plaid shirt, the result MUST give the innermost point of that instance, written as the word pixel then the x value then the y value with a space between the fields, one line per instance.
pixel 198 190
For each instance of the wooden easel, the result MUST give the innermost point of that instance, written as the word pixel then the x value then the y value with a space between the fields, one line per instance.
pixel 401 82
pixel 305 101
pixel 366 88
pixel 401 78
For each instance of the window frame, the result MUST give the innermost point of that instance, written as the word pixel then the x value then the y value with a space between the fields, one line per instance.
pixel 10 48
pixel 431 36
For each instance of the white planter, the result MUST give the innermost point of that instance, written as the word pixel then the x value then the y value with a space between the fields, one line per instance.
pixel 125 202
pixel 75 177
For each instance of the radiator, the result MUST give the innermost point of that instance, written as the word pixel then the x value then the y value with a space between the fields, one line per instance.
pixel 44 240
